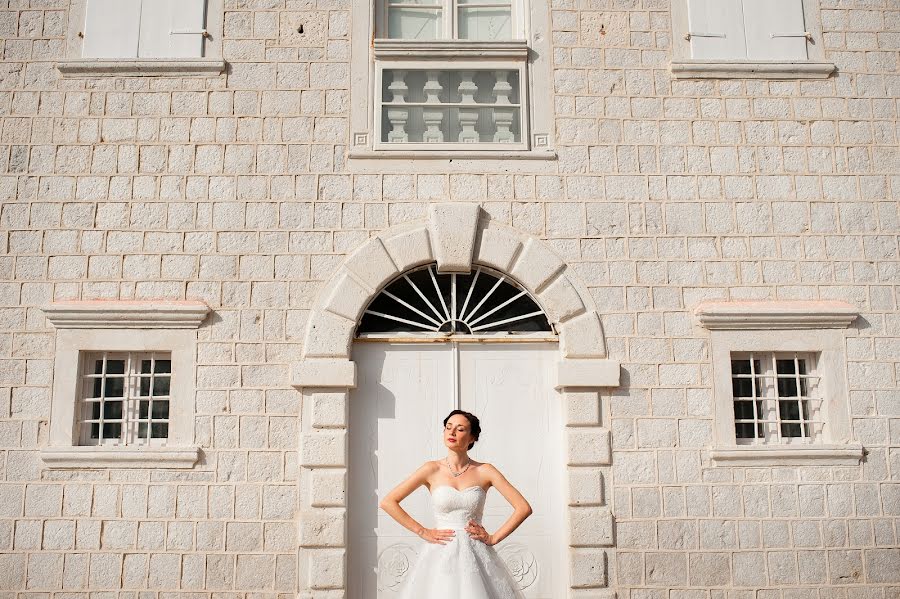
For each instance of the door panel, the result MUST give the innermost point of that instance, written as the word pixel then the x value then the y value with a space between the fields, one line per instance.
pixel 403 393
pixel 509 388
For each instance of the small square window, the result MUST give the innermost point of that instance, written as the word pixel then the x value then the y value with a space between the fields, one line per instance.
pixel 776 398
pixel 125 398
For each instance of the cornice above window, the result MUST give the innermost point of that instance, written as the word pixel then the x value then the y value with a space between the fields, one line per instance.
pixel 112 314
pixel 443 49
pixel 746 315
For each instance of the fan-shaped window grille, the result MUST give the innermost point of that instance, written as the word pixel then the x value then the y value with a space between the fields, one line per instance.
pixel 423 301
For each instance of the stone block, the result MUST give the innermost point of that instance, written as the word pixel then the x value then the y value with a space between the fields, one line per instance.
pixel 328 487
pixel 372 265
pixel 324 373
pixel 328 336
pixel 582 408
pixel 323 528
pixel 323 449
pixel 409 248
pixel 452 228
pixel 588 446
pixel 587 373
pixel 590 527
pixel 328 410
pixel 348 298
pixel 561 300
pixel 536 265
pixel 587 568
pixel 326 568
pixel 586 487
pixel 582 337
pixel 497 248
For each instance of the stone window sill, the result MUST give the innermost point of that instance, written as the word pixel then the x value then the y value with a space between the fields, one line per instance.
pixel 782 455
pixel 425 161
pixel 99 67
pixel 91 457
pixel 742 69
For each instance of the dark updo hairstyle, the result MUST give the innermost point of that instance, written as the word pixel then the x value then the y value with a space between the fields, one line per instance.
pixel 474 424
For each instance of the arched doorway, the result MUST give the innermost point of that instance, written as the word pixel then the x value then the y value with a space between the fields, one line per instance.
pixel 430 343
pixel 458 238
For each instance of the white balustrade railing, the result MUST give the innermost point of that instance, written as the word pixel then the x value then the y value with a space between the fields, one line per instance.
pixel 465 106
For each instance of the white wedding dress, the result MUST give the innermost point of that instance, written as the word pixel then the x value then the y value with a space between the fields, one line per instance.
pixel 463 568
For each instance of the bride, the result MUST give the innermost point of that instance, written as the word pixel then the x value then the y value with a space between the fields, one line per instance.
pixel 459 562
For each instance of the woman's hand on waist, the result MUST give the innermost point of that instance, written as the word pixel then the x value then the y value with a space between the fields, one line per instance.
pixel 437 536
pixel 478 532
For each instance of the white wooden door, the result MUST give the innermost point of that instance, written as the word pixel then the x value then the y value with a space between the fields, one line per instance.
pixel 404 392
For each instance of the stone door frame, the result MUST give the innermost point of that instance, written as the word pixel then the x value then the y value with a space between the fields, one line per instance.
pixel 455 235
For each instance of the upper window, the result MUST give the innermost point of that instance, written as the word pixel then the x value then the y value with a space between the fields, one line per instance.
pixel 451 19
pixel 748 38
pixel 452 75
pixel 144 37
pixel 144 29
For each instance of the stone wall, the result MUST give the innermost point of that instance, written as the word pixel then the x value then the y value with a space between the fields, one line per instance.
pixel 236 190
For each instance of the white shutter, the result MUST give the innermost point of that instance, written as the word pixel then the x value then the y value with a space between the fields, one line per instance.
pixel 172 28
pixel 111 29
pixel 775 29
pixel 716 29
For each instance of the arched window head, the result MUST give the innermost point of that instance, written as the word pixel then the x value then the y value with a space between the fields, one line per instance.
pixel 480 302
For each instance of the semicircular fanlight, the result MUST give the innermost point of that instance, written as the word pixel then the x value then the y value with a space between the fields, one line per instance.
pixel 423 301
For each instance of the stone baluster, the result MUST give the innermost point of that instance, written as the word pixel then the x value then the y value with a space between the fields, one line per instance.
pixel 433 118
pixel 398 118
pixel 432 87
pixel 503 113
pixel 468 116
pixel 398 87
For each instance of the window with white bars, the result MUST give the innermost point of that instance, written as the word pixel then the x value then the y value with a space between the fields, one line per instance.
pixel 125 398
pixel 776 398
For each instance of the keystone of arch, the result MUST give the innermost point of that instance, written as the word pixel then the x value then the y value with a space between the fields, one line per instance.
pixel 456 236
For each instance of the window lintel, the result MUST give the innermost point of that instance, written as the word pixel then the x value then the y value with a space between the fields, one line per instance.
pixel 778 315
pixel 113 314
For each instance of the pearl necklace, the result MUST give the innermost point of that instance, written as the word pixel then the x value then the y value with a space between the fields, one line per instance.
pixel 457 474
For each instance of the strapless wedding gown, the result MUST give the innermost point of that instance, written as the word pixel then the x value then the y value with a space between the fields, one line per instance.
pixel 463 568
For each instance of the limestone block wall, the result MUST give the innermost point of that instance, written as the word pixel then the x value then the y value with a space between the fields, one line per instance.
pixel 237 190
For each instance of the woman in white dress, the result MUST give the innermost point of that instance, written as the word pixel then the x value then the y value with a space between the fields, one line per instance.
pixel 459 561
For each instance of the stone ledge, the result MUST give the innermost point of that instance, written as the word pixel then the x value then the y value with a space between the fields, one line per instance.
pixel 744 315
pixel 796 455
pixel 98 67
pixel 114 314
pixel 91 456
pixel 723 69
pixel 324 373
pixel 587 373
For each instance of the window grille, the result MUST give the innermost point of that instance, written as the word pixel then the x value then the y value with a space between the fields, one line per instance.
pixel 480 302
pixel 125 398
pixel 776 398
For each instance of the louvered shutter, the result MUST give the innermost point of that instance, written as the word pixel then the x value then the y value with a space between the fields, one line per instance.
pixel 111 29
pixel 716 29
pixel 172 28
pixel 775 29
